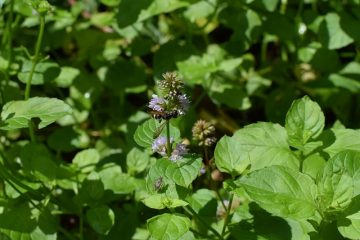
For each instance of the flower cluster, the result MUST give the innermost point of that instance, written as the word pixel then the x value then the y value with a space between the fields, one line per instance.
pixel 203 132
pixel 174 102
pixel 159 146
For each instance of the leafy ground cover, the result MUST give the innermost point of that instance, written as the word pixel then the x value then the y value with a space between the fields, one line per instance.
pixel 179 119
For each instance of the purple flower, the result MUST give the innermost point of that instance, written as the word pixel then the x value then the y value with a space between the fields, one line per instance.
pixel 157 103
pixel 183 104
pixel 159 145
pixel 202 170
pixel 178 152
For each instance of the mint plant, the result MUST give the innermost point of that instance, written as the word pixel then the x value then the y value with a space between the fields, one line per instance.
pixel 179 119
pixel 294 172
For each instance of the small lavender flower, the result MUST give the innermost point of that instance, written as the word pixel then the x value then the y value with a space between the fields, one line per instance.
pixel 157 103
pixel 178 152
pixel 183 104
pixel 202 170
pixel 159 145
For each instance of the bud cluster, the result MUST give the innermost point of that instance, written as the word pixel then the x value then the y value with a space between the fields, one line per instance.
pixel 173 102
pixel 203 132
pixel 41 6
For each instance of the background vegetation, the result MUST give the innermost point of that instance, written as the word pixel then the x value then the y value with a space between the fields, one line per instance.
pixel 92 71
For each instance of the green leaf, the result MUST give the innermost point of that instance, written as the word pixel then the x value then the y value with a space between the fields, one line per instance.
pixel 137 160
pixel 196 69
pixel 349 223
pixel 101 219
pixel 38 234
pixel 281 191
pixel 346 162
pixel 313 165
pixel 18 219
pixel 44 72
pixel 158 181
pixel 161 201
pixel 332 34
pixel 349 227
pixel 92 190
pixel 67 139
pixel 14 235
pixel 102 19
pixel 337 140
pixel 132 75
pixel 335 184
pixel 228 156
pixel 232 96
pixel 348 77
pixel 144 134
pixel 304 121
pixel 183 172
pixel 67 76
pixel 16 114
pixel 200 9
pixel 86 160
pixel 204 202
pixel 116 181
pixel 168 226
pixel 265 144
pixel 37 160
pixel 130 12
pixel 270 5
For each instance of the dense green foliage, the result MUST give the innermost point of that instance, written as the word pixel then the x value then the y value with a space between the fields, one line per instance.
pixel 279 80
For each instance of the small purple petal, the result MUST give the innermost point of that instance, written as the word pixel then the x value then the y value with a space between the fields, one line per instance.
pixel 156 103
pixel 178 152
pixel 184 104
pixel 159 145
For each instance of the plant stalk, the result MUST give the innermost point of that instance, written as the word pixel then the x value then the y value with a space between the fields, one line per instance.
pixel 227 217
pixel 35 60
pixel 168 142
pixel 193 213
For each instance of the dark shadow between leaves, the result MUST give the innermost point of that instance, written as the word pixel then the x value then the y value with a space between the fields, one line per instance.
pixel 327 138
pixel 270 226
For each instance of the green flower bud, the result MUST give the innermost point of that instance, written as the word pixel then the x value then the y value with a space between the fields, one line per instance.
pixel 41 6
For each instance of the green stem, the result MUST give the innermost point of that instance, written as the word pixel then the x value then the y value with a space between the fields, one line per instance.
pixel 220 198
pixel 8 38
pixel 168 142
pixel 206 155
pixel 227 217
pixel 35 58
pixel 193 213
pixel 283 6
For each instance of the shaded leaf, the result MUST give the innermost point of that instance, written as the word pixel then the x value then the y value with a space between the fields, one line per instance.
pixel 101 219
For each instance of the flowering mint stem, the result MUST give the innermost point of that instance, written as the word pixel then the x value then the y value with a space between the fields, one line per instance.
pixel 227 217
pixel 168 143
